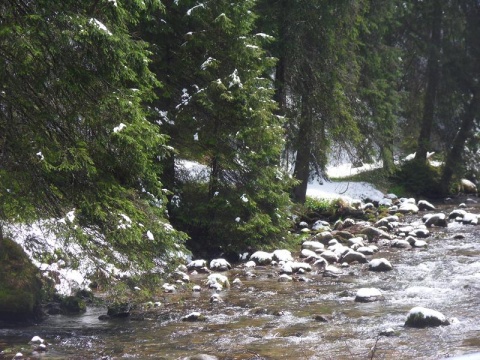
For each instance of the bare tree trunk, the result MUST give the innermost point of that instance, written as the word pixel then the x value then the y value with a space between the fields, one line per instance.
pixel 303 158
pixel 433 73
pixel 454 157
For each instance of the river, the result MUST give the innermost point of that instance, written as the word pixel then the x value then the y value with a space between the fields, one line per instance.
pixel 267 319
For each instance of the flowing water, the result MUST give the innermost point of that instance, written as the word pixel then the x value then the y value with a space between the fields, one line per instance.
pixel 267 319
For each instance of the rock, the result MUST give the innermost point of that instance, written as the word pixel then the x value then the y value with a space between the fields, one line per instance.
pixel 214 280
pixel 457 213
pixel 196 264
pixel 385 202
pixel 352 256
pixel 303 224
pixel 380 264
pixel 285 278
pixel 286 268
pixel 387 332
pixel 466 186
pixel 215 298
pixel 368 295
pixel 250 264
pixel 332 271
pixel 72 305
pixel 355 241
pixel 299 266
pixel 471 219
pixel 313 245
pixel 282 255
pixel 320 225
pixel 169 288
pixel 119 310
pixel 425 205
pixel 438 219
pixel 323 237
pixel 365 250
pixel 329 256
pixel 18 356
pixel 420 317
pixel 262 257
pixel 320 264
pixel 343 235
pixel 37 340
pixel 420 233
pixel 200 357
pixel 400 244
pixel 20 284
pixel 416 243
pixel 220 265
pixel 194 316
pixel 196 288
pixel 407 208
pixel 306 253
pixel 374 233
pixel 321 318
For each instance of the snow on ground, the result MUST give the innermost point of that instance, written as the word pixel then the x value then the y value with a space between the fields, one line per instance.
pixel 347 190
pixel 37 239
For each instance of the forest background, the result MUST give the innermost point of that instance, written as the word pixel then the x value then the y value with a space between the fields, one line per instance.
pixel 101 100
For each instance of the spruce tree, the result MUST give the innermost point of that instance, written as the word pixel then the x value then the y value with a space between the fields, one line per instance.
pixel 221 114
pixel 75 133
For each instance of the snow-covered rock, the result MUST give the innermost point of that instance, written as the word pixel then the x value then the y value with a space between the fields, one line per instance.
pixel 262 257
pixel 421 317
pixel 220 265
pixel 368 295
pixel 380 264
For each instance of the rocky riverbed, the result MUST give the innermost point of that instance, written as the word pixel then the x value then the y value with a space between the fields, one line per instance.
pixel 346 292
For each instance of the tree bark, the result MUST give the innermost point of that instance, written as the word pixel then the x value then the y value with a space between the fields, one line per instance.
pixel 303 158
pixel 433 73
pixel 454 157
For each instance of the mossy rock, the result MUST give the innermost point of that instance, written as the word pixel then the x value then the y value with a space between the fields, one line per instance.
pixel 20 285
pixel 72 305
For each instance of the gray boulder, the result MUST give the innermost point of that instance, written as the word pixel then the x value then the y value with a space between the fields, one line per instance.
pixel 368 295
pixel 380 264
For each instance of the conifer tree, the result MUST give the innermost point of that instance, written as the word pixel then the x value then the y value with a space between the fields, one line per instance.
pixel 74 133
pixel 221 114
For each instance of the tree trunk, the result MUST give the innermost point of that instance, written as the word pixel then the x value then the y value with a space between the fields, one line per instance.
pixel 387 158
pixel 454 157
pixel 433 73
pixel 302 160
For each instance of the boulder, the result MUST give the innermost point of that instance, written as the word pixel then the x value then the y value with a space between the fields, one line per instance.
pixel 400 244
pixel 282 255
pixel 196 264
pixel 219 279
pixel 329 256
pixel 407 208
pixel 352 256
pixel 194 316
pixel 306 253
pixel 380 264
pixel 466 186
pixel 439 219
pixel 262 257
pixel 313 245
pixel 365 250
pixel 425 205
pixel 285 278
pixel 420 317
pixel 20 285
pixel 368 295
pixel 220 265
pixel 119 310
pixel 374 233
pixel 299 266
pixel 332 271
pixel 323 237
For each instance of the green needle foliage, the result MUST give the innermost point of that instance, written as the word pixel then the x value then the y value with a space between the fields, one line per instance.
pixel 74 133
